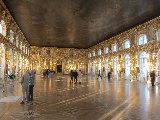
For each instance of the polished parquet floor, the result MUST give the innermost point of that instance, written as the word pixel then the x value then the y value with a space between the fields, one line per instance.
pixel 56 99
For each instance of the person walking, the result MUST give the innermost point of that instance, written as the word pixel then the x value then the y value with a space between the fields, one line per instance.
pixel 34 71
pixel 31 85
pixel 75 74
pixel 80 76
pixel 99 74
pixel 25 82
pixel 71 76
pixel 152 76
pixel 109 75
pixel 47 72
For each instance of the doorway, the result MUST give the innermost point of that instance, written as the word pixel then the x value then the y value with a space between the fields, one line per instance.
pixel 59 68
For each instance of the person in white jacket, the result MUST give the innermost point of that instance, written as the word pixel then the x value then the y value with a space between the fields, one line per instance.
pixel 80 76
pixel 25 82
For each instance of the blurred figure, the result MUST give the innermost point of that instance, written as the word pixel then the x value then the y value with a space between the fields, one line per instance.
pixel 31 85
pixel 71 76
pixel 25 82
pixel 109 75
pixel 34 71
pixel 80 76
pixel 44 72
pixel 47 72
pixel 75 74
pixel 99 74
pixel 11 76
pixel 152 76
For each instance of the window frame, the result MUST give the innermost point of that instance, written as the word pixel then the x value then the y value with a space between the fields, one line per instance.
pixel 144 39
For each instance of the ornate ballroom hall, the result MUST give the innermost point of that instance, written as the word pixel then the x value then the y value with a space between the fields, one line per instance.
pixel 94 36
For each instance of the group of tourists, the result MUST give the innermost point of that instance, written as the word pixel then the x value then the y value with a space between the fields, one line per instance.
pixel 152 76
pixel 46 72
pixel 99 75
pixel 27 82
pixel 74 75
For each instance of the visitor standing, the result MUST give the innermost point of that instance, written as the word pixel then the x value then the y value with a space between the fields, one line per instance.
pixel 31 85
pixel 99 74
pixel 71 76
pixel 75 74
pixel 25 82
pixel 152 75
pixel 109 75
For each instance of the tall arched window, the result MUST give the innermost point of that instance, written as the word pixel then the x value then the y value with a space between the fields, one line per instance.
pixel 21 45
pixel 94 53
pixel 99 52
pixel 127 65
pixel 142 39
pixel 93 67
pixel 28 51
pixel 89 55
pixel 99 64
pixel 3 28
pixel 126 44
pixel 89 67
pixel 11 36
pixel 0 28
pixel 158 35
pixel 17 41
pixel 106 66
pixel 115 60
pixel 143 64
pixel 114 47
pixel 106 50
pixel 24 49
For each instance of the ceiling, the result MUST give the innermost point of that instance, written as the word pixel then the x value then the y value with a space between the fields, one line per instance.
pixel 78 23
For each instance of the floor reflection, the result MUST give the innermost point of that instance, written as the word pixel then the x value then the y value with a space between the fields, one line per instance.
pixel 56 98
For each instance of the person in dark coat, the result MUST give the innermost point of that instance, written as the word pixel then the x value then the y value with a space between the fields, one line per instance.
pixel 31 85
pixel 109 75
pixel 71 75
pixel 99 74
pixel 47 72
pixel 152 76
pixel 75 74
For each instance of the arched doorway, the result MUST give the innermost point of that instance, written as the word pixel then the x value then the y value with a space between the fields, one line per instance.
pixel 142 62
pixel 115 60
pixel 127 66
